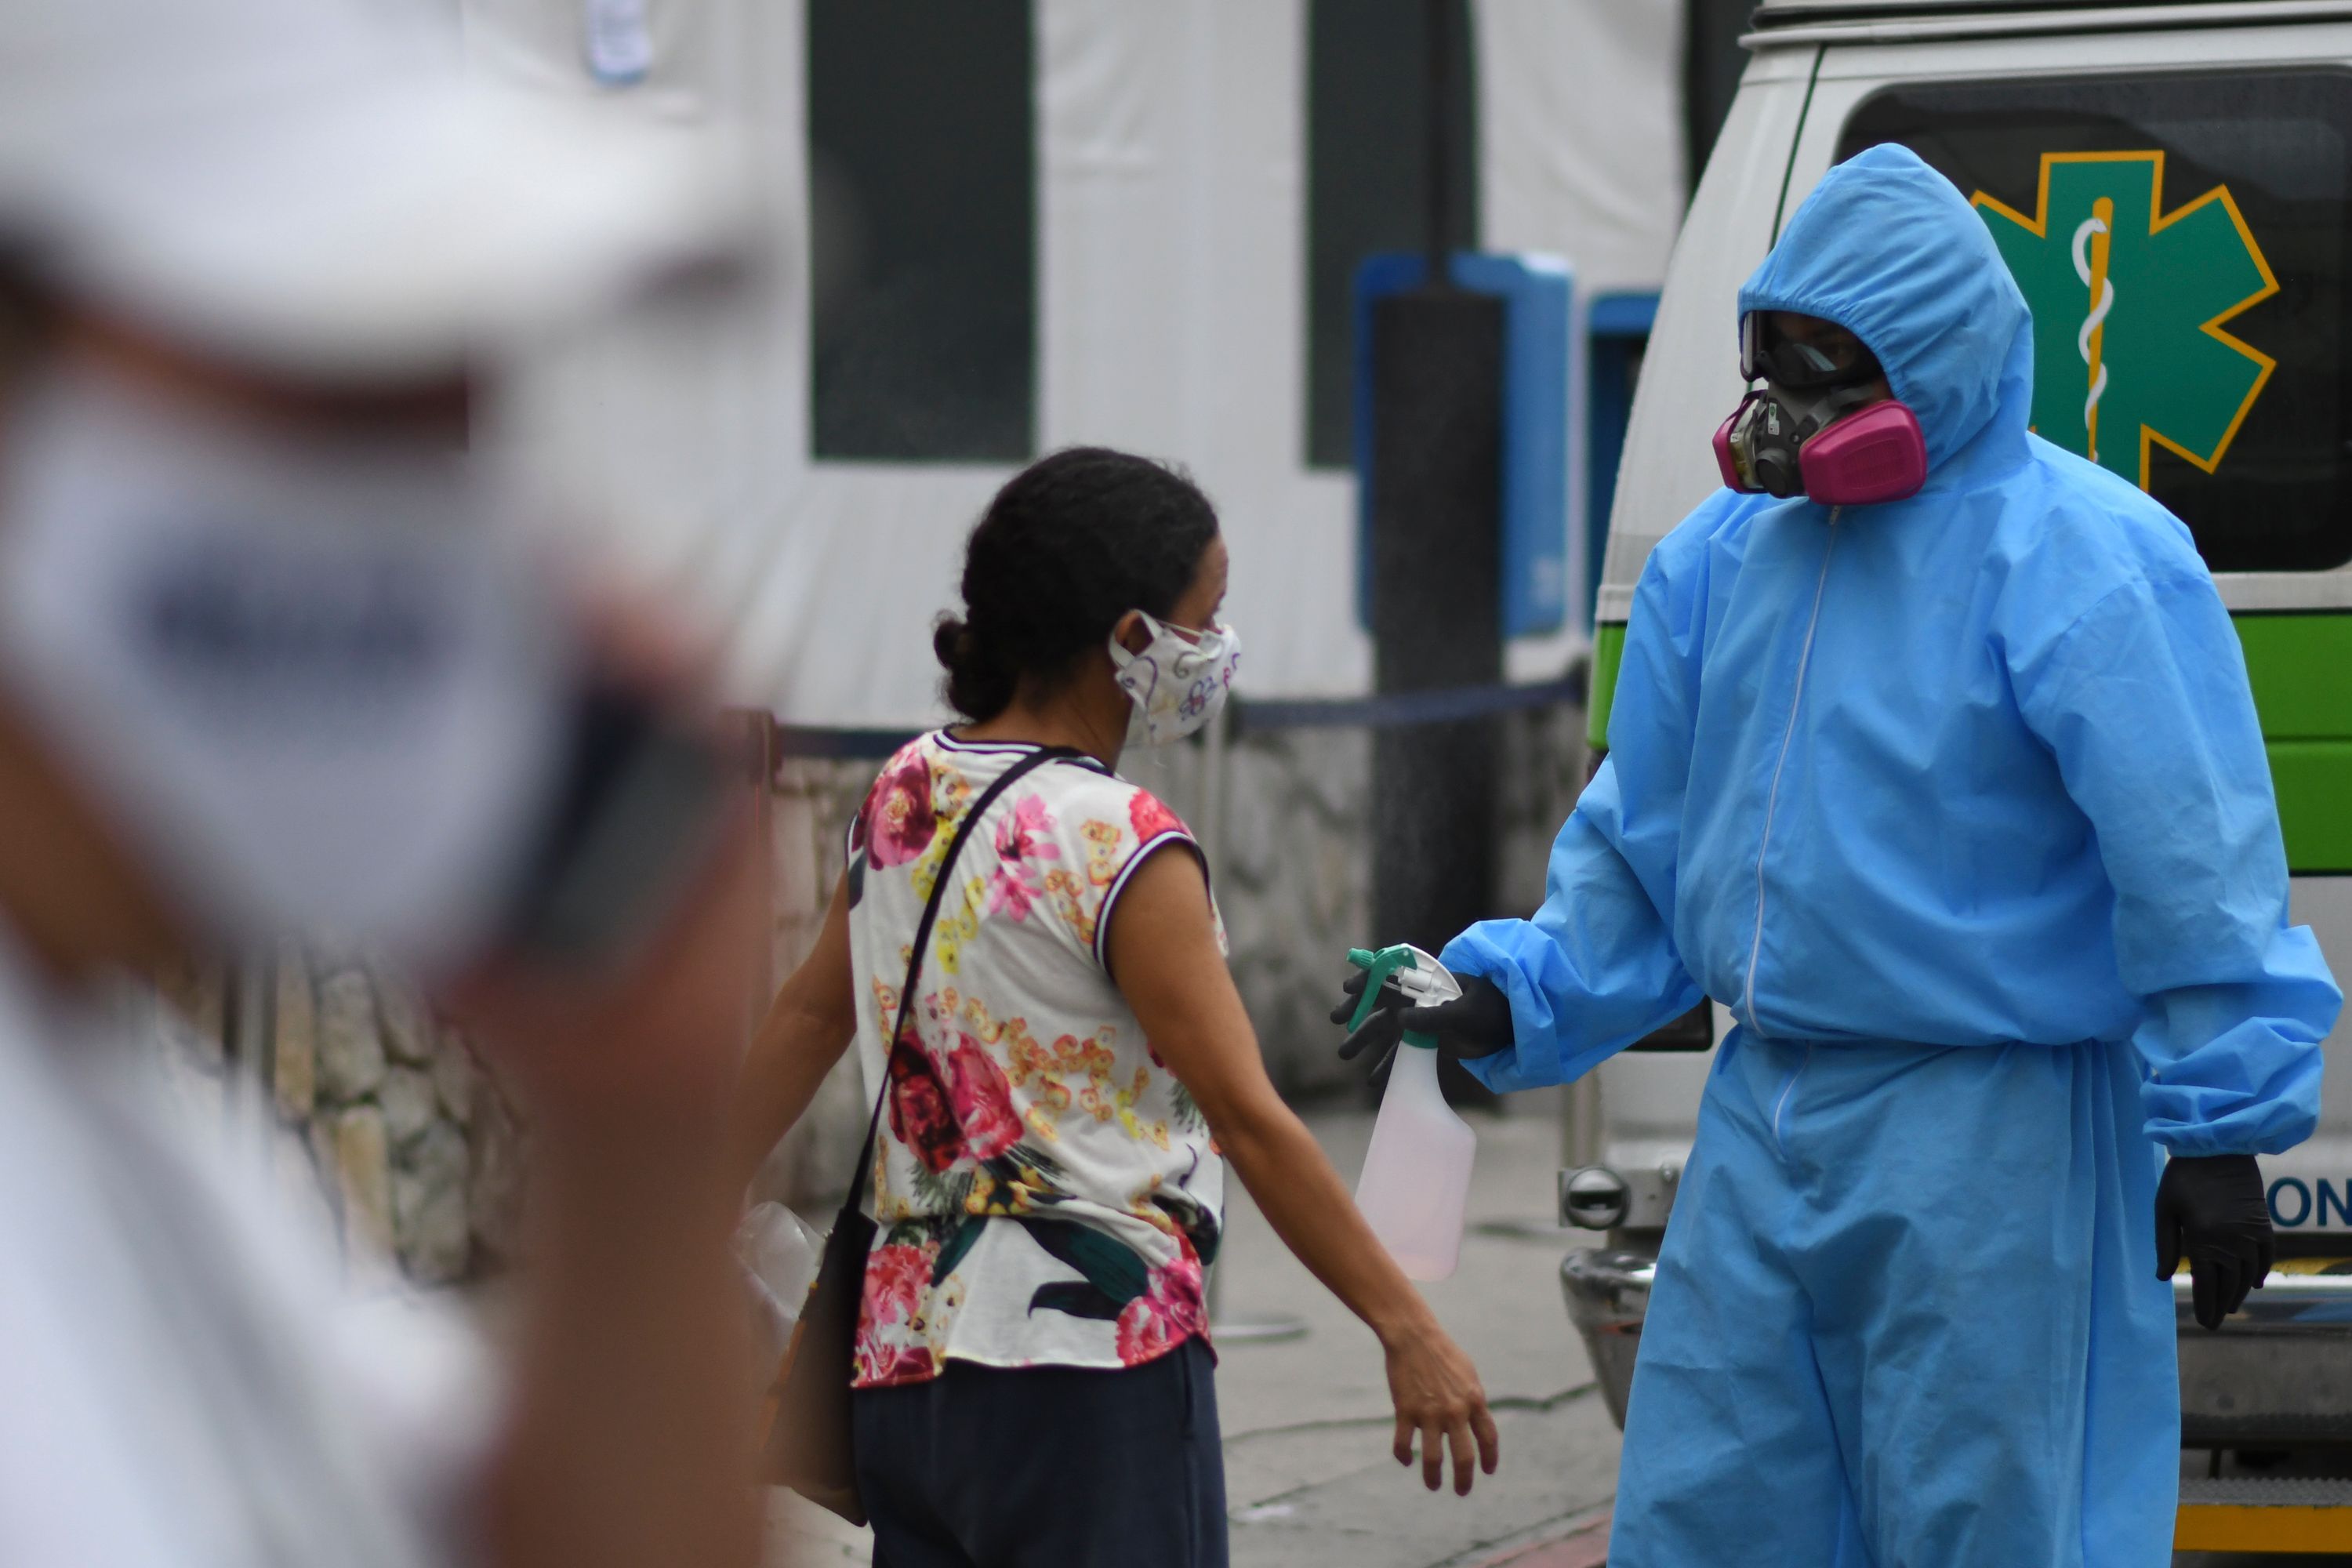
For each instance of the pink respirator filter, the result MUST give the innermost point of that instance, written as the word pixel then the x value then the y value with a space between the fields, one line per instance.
pixel 1876 455
pixel 1722 452
pixel 1723 461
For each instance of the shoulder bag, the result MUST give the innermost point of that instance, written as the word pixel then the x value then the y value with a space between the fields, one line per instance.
pixel 809 1446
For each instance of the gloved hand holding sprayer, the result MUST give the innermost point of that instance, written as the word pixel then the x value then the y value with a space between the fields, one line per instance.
pixel 1415 1187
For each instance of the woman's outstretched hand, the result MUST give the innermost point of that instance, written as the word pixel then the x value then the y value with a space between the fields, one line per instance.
pixel 1437 1396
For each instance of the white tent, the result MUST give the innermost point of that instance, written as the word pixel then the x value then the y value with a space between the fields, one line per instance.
pixel 1170 304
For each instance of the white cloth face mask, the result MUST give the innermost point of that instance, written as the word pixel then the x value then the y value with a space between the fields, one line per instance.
pixel 307 678
pixel 1178 681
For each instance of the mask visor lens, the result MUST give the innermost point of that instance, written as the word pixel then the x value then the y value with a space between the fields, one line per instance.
pixel 1828 356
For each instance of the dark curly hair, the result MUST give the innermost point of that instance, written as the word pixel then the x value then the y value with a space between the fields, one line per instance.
pixel 1070 544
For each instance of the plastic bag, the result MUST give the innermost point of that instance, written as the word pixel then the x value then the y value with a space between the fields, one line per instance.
pixel 779 1254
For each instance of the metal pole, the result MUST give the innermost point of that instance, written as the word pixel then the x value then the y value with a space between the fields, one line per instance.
pixel 1582 1144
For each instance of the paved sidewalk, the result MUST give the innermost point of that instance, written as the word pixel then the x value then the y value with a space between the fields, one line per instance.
pixel 1307 1421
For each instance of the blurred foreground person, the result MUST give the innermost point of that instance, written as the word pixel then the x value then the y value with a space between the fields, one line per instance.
pixel 1059 1096
pixel 271 664
pixel 1933 759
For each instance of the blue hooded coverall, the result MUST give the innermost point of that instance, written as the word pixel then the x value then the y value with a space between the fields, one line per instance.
pixel 1960 804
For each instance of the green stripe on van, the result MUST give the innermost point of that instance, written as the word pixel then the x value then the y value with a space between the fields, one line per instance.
pixel 2300 666
pixel 1607 653
pixel 2313 781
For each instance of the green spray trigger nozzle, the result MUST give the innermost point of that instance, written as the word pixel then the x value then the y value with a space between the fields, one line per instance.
pixel 1420 978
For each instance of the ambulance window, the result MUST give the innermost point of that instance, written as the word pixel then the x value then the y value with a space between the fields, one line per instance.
pixel 2210 215
pixel 922 230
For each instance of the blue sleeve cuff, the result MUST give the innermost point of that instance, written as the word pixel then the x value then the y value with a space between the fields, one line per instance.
pixel 1489 951
pixel 2254 1091
pixel 1561 1025
pixel 2235 1068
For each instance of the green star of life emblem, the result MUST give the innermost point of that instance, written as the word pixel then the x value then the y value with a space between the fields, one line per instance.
pixel 2128 306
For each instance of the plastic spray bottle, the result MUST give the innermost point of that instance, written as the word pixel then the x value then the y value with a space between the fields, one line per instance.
pixel 1415 1188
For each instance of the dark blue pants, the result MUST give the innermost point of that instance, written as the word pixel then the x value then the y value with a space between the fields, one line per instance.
pixel 1046 1467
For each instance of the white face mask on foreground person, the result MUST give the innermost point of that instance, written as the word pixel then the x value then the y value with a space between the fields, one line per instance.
pixel 270 662
pixel 307 670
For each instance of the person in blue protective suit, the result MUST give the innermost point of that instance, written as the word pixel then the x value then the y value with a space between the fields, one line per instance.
pixel 1957 802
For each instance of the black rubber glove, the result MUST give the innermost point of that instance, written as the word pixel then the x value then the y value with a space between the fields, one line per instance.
pixel 2211 1209
pixel 1475 1024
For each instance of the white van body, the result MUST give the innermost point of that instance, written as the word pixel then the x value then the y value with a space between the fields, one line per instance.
pixel 2282 1371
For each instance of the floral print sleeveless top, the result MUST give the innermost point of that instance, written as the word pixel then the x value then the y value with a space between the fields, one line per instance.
pixel 1046 1192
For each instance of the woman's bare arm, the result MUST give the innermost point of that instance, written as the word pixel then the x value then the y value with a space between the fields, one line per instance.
pixel 1163 951
pixel 809 1025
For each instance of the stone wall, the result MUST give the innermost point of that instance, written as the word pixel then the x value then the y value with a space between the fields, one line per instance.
pixel 1297 890
pixel 1297 869
pixel 810 805
pixel 379 1119
pixel 383 1123
pixel 1545 765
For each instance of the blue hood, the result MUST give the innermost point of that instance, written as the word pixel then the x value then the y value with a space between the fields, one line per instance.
pixel 1887 248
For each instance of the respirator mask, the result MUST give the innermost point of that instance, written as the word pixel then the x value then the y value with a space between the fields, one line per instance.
pixel 1178 681
pixel 319 692
pixel 1810 429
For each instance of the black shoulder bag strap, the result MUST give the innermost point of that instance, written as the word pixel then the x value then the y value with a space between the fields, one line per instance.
pixel 915 954
pixel 809 1437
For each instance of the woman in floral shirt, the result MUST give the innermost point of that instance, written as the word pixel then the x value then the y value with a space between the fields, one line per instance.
pixel 1021 1089
pixel 1071 1076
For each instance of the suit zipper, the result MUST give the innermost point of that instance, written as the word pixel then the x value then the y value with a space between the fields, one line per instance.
pixel 1787 737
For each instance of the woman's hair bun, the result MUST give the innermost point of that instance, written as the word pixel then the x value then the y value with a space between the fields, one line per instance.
pixel 977 684
pixel 951 642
